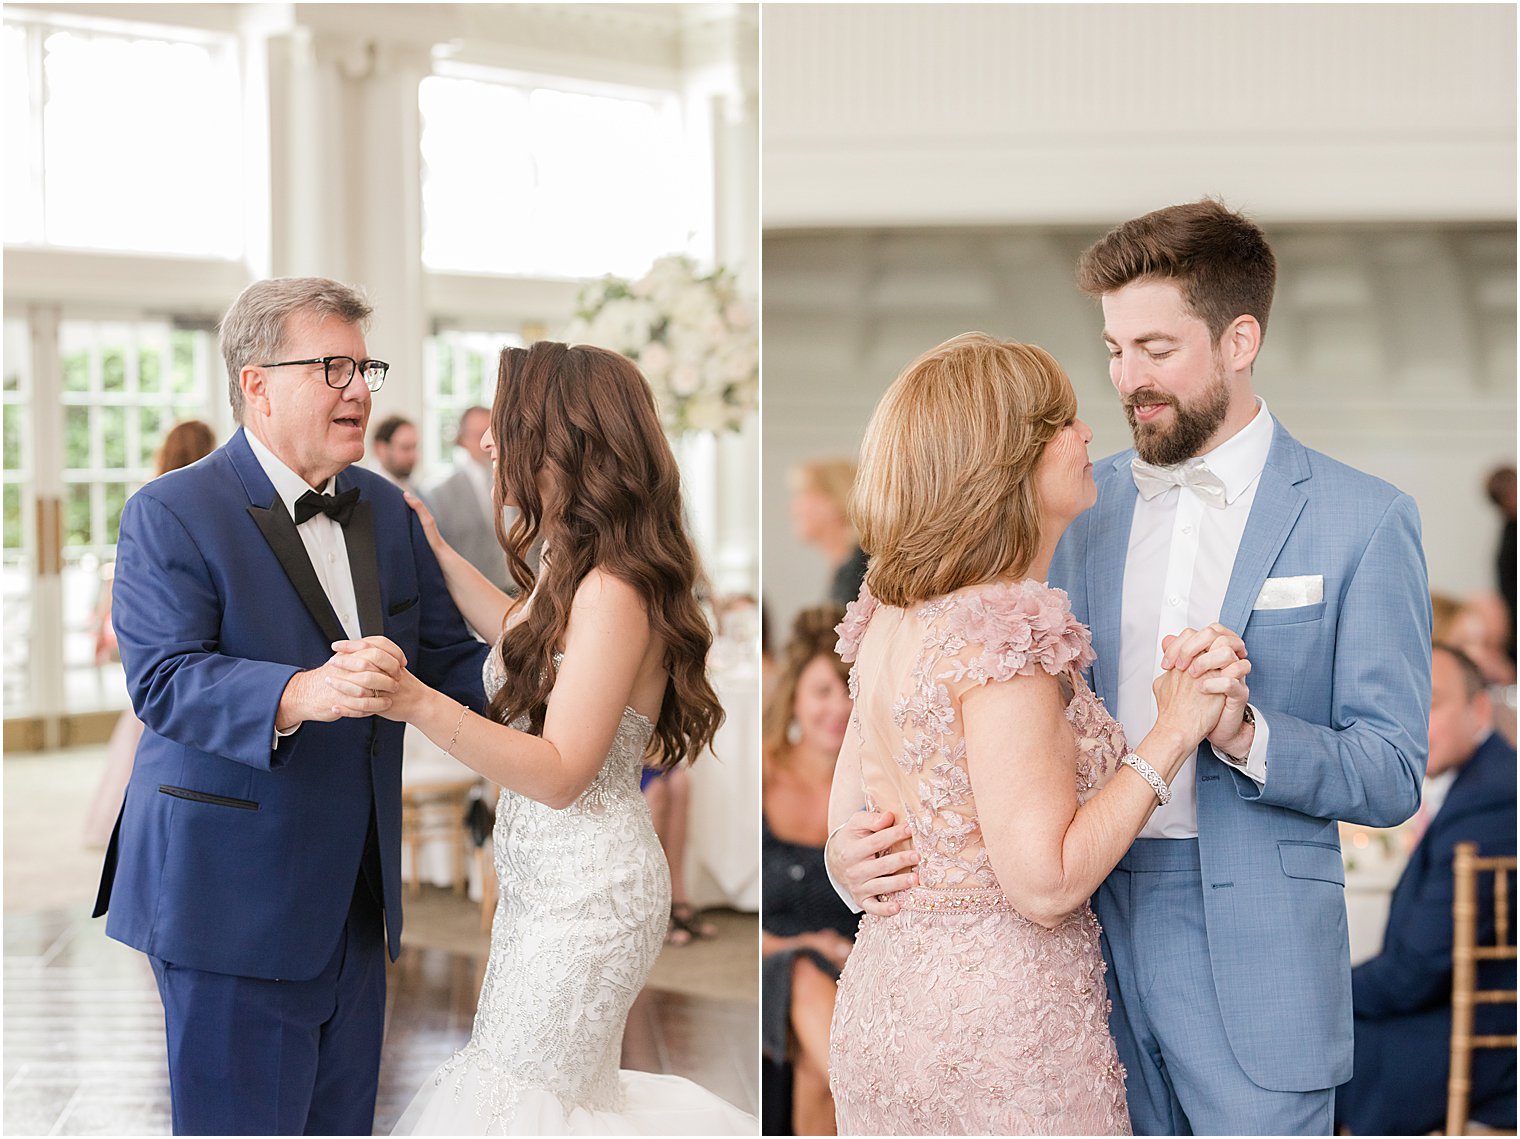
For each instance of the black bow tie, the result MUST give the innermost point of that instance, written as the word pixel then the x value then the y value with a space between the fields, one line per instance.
pixel 338 507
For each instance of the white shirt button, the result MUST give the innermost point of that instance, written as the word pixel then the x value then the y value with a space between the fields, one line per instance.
pixel 1174 601
pixel 331 558
pixel 1187 529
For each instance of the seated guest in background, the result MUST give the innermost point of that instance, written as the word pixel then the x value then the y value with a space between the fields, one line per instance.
pixel 461 504
pixel 1481 630
pixel 668 793
pixel 394 443
pixel 1444 609
pixel 1501 492
pixel 807 930
pixel 820 493
pixel 1402 997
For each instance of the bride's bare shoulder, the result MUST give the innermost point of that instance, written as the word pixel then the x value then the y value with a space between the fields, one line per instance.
pixel 611 603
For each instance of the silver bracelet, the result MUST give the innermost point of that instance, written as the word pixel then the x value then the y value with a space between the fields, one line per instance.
pixel 1150 775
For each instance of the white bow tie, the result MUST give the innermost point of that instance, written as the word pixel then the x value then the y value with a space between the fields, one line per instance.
pixel 1152 480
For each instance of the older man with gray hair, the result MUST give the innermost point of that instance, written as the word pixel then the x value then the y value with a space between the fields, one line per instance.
pixel 256 858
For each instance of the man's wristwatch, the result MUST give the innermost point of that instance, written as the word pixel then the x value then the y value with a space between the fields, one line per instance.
pixel 1248 716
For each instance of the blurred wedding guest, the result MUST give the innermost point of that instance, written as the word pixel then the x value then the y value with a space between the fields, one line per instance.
pixel 820 495
pixel 394 444
pixel 461 504
pixel 1481 630
pixel 1443 610
pixel 184 444
pixel 768 666
pixel 1402 997
pixel 807 930
pixel 1501 492
pixel 668 794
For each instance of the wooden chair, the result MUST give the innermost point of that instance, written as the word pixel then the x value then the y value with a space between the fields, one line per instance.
pixel 1465 955
pixel 435 811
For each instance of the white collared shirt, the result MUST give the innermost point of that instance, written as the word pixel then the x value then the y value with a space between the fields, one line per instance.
pixel 1434 790
pixel 322 537
pixel 1181 554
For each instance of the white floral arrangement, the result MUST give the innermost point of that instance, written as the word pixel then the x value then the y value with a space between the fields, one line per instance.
pixel 691 334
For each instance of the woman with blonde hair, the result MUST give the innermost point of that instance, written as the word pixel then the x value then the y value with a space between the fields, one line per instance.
pixel 979 1006
pixel 820 517
pixel 807 931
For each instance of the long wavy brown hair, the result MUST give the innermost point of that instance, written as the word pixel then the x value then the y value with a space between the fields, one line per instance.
pixel 580 452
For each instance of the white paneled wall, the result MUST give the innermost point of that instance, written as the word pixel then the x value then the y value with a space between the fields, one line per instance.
pixel 1390 347
pixel 1050 113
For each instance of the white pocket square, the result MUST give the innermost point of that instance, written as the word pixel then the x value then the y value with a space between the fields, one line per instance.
pixel 1291 592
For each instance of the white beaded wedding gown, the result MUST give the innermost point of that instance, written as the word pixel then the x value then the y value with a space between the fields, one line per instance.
pixel 585 896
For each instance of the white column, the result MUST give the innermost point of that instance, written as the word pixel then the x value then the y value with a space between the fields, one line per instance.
pixel 345 185
pixel 720 46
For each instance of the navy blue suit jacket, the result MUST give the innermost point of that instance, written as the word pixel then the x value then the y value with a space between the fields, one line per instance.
pixel 1413 971
pixel 232 855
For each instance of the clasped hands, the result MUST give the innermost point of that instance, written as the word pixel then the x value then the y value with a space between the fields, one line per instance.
pixel 1216 657
pixel 366 677
pixel 872 856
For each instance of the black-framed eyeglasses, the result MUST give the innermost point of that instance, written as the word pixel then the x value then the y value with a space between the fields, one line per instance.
pixel 338 371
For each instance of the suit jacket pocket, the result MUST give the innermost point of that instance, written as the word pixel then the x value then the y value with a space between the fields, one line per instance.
pixel 403 606
pixel 205 797
pixel 1318 860
pixel 1298 615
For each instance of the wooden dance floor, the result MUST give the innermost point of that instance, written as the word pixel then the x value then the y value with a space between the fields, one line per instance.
pixel 84 1031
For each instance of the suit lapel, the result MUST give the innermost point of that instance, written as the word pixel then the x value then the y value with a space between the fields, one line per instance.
pixel 364 566
pixel 1107 551
pixel 279 530
pixel 1274 511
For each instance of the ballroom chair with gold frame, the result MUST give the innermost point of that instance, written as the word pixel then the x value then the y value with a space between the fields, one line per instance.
pixel 1466 953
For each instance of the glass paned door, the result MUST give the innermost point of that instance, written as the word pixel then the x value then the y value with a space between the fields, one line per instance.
pixel 87 404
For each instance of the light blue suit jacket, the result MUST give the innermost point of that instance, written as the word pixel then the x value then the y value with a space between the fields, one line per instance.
pixel 1345 686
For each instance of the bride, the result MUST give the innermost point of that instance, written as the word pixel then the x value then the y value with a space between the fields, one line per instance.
pixel 600 666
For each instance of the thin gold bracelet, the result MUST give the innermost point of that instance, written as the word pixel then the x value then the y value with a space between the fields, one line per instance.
pixel 464 711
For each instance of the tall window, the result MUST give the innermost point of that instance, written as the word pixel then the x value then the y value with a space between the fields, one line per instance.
pixel 558 183
pixel 460 371
pixel 121 140
pixel 20 545
pixel 124 386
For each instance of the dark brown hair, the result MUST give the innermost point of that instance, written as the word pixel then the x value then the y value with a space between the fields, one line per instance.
pixel 186 443
pixel 1219 259
pixel 812 636
pixel 388 427
pixel 583 419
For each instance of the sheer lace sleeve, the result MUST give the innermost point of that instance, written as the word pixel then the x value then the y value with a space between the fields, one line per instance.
pixel 857 615
pixel 1010 629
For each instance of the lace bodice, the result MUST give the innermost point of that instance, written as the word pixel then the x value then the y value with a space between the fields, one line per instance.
pixel 957 1015
pixel 910 671
pixel 585 895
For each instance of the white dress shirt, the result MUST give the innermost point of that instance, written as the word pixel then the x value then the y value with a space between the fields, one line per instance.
pixel 322 537
pixel 1181 554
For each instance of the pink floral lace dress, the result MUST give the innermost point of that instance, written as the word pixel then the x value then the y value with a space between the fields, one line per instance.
pixel 958 1015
